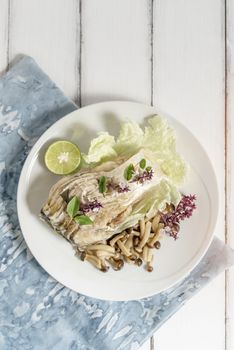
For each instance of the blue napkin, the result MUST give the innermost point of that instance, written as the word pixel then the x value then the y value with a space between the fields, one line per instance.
pixel 36 312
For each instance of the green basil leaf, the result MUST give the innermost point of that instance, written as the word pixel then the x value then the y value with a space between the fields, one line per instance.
pixel 128 172
pixel 83 220
pixel 73 206
pixel 102 184
pixel 148 169
pixel 142 163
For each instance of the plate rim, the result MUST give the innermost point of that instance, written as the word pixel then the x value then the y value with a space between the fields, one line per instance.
pixel 36 147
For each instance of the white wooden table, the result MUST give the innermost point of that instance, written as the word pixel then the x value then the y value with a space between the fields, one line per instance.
pixel 175 54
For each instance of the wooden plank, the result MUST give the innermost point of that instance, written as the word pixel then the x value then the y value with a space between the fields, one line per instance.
pixel 189 85
pixel 230 167
pixel 49 32
pixel 116 50
pixel 192 327
pixel 4 8
pixel 116 53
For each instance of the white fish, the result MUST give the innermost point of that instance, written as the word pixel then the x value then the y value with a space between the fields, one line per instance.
pixel 116 205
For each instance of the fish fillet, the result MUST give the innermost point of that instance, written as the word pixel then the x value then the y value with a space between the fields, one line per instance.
pixel 115 206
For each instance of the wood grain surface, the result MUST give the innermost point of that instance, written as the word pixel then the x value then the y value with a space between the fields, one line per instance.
pixel 4 17
pixel 189 83
pixel 116 50
pixel 49 32
pixel 229 154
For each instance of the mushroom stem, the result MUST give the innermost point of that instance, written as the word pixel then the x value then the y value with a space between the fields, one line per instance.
pixel 129 242
pixel 103 247
pixel 145 253
pixel 103 254
pixel 116 238
pixel 155 222
pixel 122 247
pixel 128 260
pixel 136 233
pixel 145 237
pixel 142 228
pixel 117 264
pixel 156 236
pixel 149 264
pixel 94 260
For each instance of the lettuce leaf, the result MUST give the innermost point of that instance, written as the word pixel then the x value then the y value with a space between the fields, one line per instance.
pixel 101 149
pixel 151 202
pixel 158 138
pixel 161 140
pixel 129 140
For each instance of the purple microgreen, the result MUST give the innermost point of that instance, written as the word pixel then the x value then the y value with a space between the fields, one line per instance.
pixel 129 171
pixel 102 184
pixel 93 206
pixel 73 206
pixel 83 220
pixel 184 210
pixel 120 188
pixel 143 177
pixel 143 163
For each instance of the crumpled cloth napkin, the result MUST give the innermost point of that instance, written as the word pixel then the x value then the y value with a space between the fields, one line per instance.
pixel 36 312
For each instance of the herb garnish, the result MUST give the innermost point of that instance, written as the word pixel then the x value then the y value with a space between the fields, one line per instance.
pixel 183 210
pixel 142 163
pixel 102 184
pixel 106 185
pixel 129 171
pixel 140 174
pixel 117 187
pixel 90 206
pixel 73 208
pixel 148 169
pixel 143 176
pixel 83 220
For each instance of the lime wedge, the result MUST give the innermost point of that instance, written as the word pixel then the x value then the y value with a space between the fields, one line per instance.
pixel 62 157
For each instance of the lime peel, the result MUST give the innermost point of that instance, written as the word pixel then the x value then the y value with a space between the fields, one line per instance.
pixel 62 157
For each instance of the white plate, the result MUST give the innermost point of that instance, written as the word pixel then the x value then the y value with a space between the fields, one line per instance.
pixel 173 261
